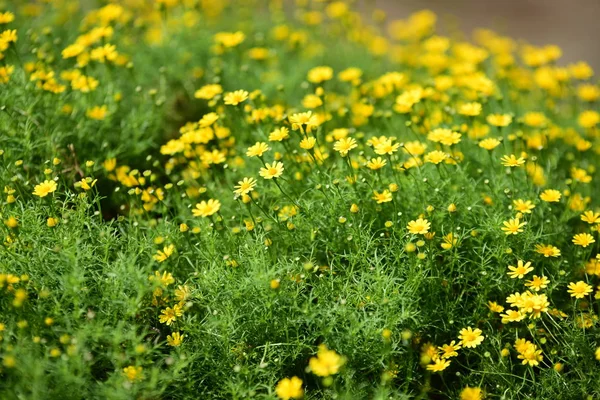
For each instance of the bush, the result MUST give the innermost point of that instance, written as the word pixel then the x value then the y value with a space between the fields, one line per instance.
pixel 241 199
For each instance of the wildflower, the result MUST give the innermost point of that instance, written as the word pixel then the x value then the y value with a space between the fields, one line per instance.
pixel 435 157
pixel 258 149
pixel 326 363
pixel 523 206
pixel 245 186
pixel 499 119
pixel 512 161
pixel 206 208
pixel 588 119
pixel 450 350
pixel 166 252
pixel 45 188
pixel 386 147
pixel 5 73
pixel 383 197
pixel 6 17
pixel 235 98
pixel 175 339
pixel 470 338
pixel 579 290
pixel 271 171
pixel 591 217
pixel 471 393
pixel 169 315
pixel 343 146
pixel 438 365
pixel 308 143
pixel 547 250
pixel 470 109
pixel 289 388
pixel 97 112
pixel 528 352
pixel 376 163
pixel 230 39
pixel 208 92
pixel 489 143
pixel 133 373
pixel 513 226
pixel 279 134
pixel 512 316
pixel 538 283
pixel 520 270
pixel 583 239
pixel 449 241
pixel 420 226
pixel 495 307
pixel 550 196
pixel 300 121
pixel 320 74
pixel 52 222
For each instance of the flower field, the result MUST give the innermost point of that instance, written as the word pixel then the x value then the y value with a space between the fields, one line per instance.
pixel 267 199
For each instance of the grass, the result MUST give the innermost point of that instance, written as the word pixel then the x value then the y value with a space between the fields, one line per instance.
pixel 376 265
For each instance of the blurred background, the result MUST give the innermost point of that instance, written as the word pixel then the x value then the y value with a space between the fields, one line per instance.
pixel 574 25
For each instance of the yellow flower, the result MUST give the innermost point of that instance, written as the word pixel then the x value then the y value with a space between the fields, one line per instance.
pixel 520 270
pixel 450 350
pixel 271 171
pixel 583 239
pixel 470 337
pixel 444 136
pixel 471 393
pixel 169 315
pixel 376 163
pixel 513 226
pixel 547 250
pixel 523 206
pixel 300 121
pixel 289 388
pixel 207 92
pixel 588 119
pixel 495 307
pixel 418 227
pixel 470 109
pixel 279 134
pixel 258 149
pixel 383 197
pixel 230 39
pixel 550 196
pixel 45 188
pixel 206 208
pixel 343 146
pixel 512 161
pixel 499 119
pixel 133 373
pixel 52 222
pixel 308 143
pixel 235 98
pixel 538 283
pixel 326 363
pixel 97 112
pixel 435 157
pixel 386 146
pixel 175 339
pixel 579 290
pixel 591 217
pixel 320 74
pixel 438 365
pixel 244 186
pixel 489 144
pixel 166 252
